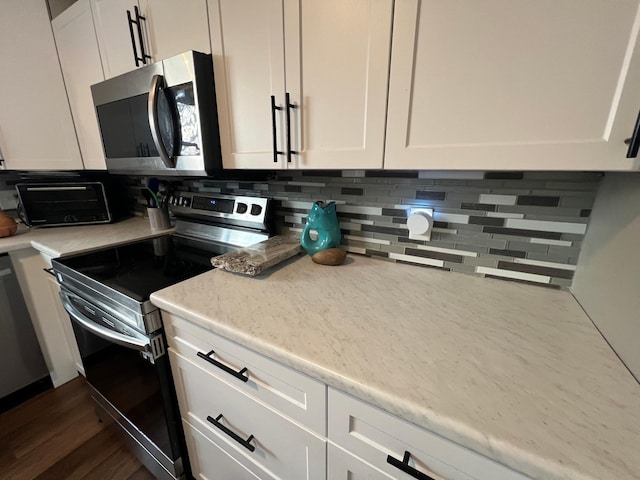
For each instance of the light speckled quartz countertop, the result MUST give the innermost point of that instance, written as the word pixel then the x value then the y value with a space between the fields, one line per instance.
pixel 61 241
pixel 515 372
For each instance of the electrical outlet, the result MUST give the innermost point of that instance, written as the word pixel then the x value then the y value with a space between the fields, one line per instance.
pixel 415 222
pixel 8 200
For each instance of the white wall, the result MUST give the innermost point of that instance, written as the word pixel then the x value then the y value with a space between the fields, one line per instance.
pixel 607 280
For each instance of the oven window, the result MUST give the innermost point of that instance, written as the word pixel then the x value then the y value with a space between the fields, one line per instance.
pixel 135 387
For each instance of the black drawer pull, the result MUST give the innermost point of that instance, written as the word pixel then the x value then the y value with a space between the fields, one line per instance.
pixel 274 107
pixel 50 271
pixel 144 57
pixel 232 434
pixel 239 375
pixel 290 105
pixel 634 141
pixel 404 466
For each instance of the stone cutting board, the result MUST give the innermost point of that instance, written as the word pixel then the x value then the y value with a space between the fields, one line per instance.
pixel 255 259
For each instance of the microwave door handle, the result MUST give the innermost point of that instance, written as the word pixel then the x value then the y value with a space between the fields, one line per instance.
pixel 157 84
pixel 100 331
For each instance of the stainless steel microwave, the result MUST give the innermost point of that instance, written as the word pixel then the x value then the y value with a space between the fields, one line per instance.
pixel 161 119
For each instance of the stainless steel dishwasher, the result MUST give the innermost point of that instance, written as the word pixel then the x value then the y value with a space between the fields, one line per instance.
pixel 23 371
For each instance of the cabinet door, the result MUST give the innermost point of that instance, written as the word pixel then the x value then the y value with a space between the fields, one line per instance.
pixel 248 57
pixel 3 164
pixel 292 393
pixel 176 27
pixel 337 60
pixel 209 460
pixel 341 465
pixel 378 437
pixel 114 37
pixel 65 321
pixel 81 66
pixel 47 322
pixel 36 124
pixel 505 84
pixel 277 444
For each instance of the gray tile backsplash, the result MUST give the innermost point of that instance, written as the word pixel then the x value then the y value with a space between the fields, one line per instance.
pixel 521 226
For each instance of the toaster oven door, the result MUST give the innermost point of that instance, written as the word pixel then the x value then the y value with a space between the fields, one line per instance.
pixel 59 204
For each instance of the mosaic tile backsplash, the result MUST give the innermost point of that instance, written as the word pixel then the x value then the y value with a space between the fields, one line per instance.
pixel 521 226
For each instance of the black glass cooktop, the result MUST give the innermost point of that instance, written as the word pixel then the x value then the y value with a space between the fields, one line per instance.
pixel 141 268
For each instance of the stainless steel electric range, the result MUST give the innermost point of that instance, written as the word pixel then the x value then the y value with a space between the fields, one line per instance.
pixel 119 331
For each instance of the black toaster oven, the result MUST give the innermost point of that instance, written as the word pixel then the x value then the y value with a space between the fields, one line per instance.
pixel 56 204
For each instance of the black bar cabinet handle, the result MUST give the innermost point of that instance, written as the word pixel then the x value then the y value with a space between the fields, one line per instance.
pixel 240 375
pixel 289 107
pixel 139 17
pixel 274 107
pixel 49 271
pixel 231 433
pixel 133 40
pixel 634 141
pixel 404 466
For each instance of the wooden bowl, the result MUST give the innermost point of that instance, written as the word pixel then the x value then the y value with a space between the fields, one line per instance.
pixel 330 256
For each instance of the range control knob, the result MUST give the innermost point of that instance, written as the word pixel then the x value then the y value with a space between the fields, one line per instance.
pixel 256 209
pixel 241 208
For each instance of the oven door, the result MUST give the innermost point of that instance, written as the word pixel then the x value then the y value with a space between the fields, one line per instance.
pixel 131 381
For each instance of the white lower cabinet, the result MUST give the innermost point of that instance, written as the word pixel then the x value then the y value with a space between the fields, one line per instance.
pixel 341 465
pixel 50 321
pixel 265 421
pixel 65 322
pixel 211 461
pixel 247 417
pixel 235 421
pixel 402 450
pixel 293 394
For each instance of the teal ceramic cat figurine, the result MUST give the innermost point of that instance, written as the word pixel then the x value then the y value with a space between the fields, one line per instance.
pixel 323 219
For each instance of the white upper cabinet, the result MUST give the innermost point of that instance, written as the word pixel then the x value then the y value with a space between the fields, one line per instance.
pixel 174 27
pixel 337 64
pixel 35 120
pixel 81 67
pixel 168 28
pixel 330 56
pixel 248 64
pixel 115 40
pixel 513 84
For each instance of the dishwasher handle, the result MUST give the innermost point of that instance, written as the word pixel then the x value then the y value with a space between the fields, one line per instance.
pixel 135 343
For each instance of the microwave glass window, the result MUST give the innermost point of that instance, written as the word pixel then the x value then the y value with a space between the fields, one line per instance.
pixel 185 105
pixel 125 125
pixel 125 128
pixel 168 124
pixel 144 146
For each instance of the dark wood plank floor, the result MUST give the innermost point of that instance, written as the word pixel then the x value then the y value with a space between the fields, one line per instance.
pixel 56 435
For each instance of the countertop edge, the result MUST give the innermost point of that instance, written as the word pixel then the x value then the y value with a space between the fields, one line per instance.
pixel 55 242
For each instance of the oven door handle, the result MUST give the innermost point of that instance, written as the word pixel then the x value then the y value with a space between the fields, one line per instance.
pixel 141 344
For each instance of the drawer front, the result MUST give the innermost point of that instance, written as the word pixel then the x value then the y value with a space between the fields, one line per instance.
pixel 280 446
pixel 373 435
pixel 294 394
pixel 341 465
pixel 209 461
